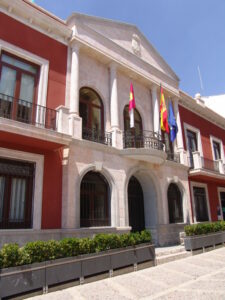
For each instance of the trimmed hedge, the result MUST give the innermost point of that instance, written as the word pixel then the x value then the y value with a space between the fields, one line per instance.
pixel 204 228
pixel 12 255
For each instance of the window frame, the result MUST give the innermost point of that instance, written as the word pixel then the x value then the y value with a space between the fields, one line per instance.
pixel 37 183
pixel 219 190
pixel 33 59
pixel 198 137
pixel 182 203
pixel 218 141
pixel 27 223
pixel 90 107
pixel 200 185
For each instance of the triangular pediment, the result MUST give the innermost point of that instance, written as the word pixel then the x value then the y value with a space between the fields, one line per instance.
pixel 129 38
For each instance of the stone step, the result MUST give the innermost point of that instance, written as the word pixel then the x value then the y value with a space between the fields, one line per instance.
pixel 162 259
pixel 162 251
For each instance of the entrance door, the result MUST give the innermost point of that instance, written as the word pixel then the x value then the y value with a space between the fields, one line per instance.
pixel 136 205
pixel 222 198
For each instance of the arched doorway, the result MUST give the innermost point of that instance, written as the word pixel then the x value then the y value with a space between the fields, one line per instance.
pixel 175 204
pixel 94 201
pixel 136 205
pixel 133 136
pixel 91 111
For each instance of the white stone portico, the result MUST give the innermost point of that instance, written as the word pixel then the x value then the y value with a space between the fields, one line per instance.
pixel 106 57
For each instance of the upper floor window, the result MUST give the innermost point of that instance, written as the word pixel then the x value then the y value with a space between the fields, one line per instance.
pixel 216 150
pixel 92 114
pixel 18 83
pixel 133 137
pixel 192 145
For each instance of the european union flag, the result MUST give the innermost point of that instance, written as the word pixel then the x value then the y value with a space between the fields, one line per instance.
pixel 172 123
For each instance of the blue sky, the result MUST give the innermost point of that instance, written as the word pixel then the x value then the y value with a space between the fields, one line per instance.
pixel 186 33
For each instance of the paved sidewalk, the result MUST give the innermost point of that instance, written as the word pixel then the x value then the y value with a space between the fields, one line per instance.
pixel 196 277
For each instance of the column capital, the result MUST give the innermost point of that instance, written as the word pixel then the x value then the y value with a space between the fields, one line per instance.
pixel 154 88
pixel 113 66
pixel 74 44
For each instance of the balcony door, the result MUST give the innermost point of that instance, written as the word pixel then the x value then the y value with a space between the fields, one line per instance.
pixel 92 114
pixel 192 145
pixel 18 82
pixel 133 136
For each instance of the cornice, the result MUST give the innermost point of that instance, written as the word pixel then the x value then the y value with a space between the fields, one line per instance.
pixel 200 109
pixel 35 17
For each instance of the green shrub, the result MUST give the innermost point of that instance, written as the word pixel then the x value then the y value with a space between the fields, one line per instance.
pixel 69 247
pixel 39 251
pixel 204 228
pixel 11 255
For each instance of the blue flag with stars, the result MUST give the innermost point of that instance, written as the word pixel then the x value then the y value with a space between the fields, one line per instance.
pixel 172 123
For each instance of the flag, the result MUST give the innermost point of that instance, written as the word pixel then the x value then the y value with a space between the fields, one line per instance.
pixel 163 113
pixel 172 124
pixel 131 106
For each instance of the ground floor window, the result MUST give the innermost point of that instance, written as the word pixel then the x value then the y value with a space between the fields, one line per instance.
pixel 175 204
pixel 222 198
pixel 16 193
pixel 94 201
pixel 200 201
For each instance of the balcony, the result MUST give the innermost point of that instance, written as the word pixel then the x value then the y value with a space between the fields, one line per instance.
pixel 145 146
pixel 175 157
pixel 27 112
pixel 97 136
pixel 203 166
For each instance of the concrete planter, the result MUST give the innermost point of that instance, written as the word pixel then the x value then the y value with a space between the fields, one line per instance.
pixel 18 280
pixel 202 241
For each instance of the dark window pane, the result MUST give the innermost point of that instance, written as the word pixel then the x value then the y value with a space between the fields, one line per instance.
pixel 94 201
pixel 200 204
pixel 136 205
pixel 16 192
pixel 216 149
pixel 175 204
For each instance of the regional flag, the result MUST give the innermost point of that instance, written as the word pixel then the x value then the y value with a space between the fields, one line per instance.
pixel 163 113
pixel 132 106
pixel 172 123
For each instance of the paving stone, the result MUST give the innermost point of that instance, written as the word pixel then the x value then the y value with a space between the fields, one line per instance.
pixel 191 295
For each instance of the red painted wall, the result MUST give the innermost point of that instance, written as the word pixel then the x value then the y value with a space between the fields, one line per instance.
pixel 52 181
pixel 37 43
pixel 206 129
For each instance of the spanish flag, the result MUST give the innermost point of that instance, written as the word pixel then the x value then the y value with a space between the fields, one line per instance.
pixel 132 106
pixel 163 113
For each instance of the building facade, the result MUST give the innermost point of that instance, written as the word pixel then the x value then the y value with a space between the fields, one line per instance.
pixel 70 165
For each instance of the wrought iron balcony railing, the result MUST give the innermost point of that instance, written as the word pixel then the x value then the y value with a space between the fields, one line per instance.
pixel 27 112
pixel 173 157
pixel 209 164
pixel 97 136
pixel 143 139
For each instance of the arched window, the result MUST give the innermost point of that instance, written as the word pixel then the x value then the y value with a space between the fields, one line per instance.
pixel 94 201
pixel 175 204
pixel 133 136
pixel 91 112
pixel 136 205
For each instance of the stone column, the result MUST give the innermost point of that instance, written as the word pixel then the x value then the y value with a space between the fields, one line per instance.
pixel 74 80
pixel 114 112
pixel 179 139
pixel 155 109
pixel 75 122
